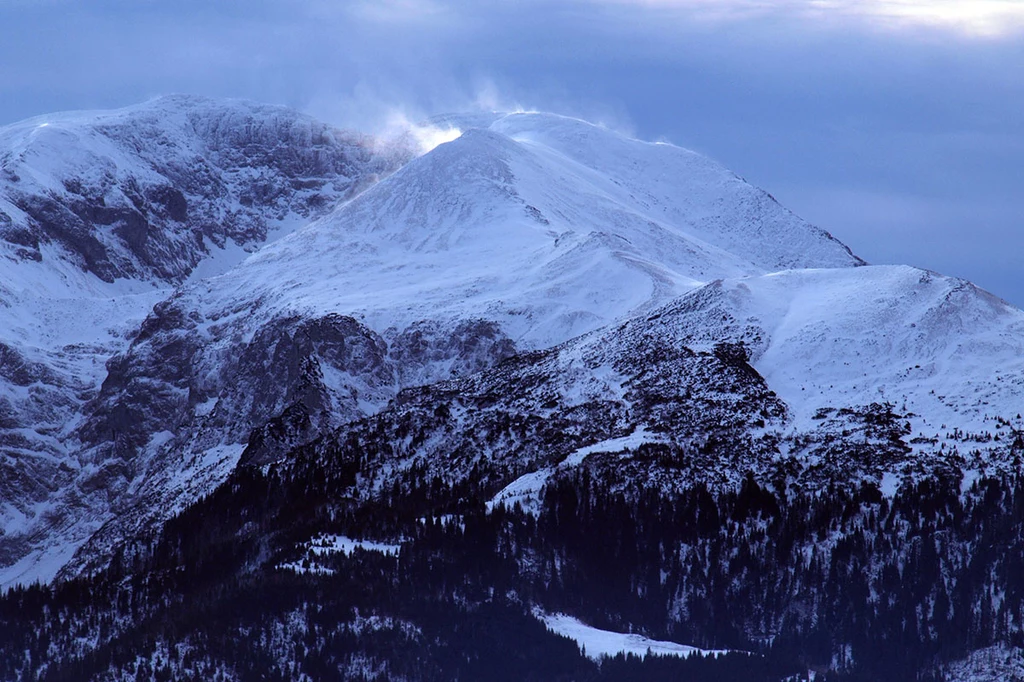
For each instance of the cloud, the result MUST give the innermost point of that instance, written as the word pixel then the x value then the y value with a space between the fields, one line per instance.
pixel 961 235
pixel 973 18
pixel 399 11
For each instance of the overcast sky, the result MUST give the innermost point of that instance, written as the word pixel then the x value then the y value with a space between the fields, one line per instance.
pixel 895 124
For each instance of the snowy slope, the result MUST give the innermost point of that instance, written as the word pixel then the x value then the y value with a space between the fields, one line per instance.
pixel 762 374
pixel 680 190
pixel 148 191
pixel 948 355
pixel 550 238
pixel 526 490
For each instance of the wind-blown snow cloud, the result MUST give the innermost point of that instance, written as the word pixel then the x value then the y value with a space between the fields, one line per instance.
pixel 424 136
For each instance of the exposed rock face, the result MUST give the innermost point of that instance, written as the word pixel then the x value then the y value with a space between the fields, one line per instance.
pixel 294 380
pixel 708 412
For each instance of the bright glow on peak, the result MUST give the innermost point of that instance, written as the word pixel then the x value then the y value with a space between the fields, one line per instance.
pixel 429 137
pixel 423 137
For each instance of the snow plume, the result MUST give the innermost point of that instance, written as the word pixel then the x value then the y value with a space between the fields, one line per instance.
pixel 387 116
pixel 489 97
pixel 422 137
pixel 399 116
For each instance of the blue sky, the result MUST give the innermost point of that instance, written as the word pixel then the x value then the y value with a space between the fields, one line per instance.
pixel 895 124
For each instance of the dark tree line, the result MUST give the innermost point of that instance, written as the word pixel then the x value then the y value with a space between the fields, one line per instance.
pixel 843 581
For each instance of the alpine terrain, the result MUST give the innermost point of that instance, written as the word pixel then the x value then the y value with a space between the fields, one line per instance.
pixel 280 401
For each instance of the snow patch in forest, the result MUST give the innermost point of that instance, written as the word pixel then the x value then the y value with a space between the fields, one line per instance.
pixel 1000 662
pixel 597 644
pixel 324 545
pixel 890 484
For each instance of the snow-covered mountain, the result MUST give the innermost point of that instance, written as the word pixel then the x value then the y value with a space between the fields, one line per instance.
pixel 146 192
pixel 940 350
pixel 525 232
pixel 218 298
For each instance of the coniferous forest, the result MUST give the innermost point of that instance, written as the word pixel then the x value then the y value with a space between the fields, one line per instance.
pixel 841 582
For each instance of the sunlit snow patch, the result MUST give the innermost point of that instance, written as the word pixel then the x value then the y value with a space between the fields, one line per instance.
pixel 597 644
